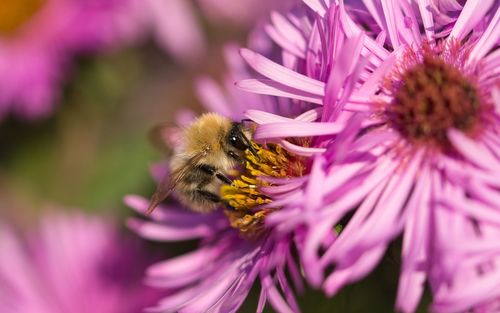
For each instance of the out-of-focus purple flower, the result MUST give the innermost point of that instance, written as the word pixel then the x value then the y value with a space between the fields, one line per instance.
pixel 38 40
pixel 243 12
pixel 406 142
pixel 175 28
pixel 72 263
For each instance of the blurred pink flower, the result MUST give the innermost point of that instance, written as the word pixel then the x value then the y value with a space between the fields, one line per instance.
pixel 243 12
pixel 406 140
pixel 176 29
pixel 72 263
pixel 39 38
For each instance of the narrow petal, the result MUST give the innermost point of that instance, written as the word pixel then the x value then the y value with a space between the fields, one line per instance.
pixel 348 274
pixel 473 151
pixel 472 13
pixel 297 129
pixel 413 275
pixel 282 74
pixel 274 297
pixel 176 28
pixel 168 233
pixel 317 6
pixel 212 97
pixel 488 39
pixel 273 88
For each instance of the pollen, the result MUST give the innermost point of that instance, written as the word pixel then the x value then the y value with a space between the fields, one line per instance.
pixel 431 96
pixel 248 204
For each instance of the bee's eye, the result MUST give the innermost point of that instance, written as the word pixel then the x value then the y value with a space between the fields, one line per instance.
pixel 237 142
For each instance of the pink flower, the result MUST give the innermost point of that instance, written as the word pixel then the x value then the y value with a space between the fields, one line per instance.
pixel 234 251
pixel 71 263
pixel 406 139
pixel 38 40
pixel 218 275
pixel 175 28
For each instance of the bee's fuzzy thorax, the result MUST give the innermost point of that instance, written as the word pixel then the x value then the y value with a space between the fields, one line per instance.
pixel 208 134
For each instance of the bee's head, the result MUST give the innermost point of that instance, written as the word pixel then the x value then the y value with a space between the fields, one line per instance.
pixel 239 141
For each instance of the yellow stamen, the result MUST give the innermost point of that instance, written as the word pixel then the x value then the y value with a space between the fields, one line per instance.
pixel 15 13
pixel 244 194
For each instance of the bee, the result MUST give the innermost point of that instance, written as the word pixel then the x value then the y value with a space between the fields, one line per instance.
pixel 210 148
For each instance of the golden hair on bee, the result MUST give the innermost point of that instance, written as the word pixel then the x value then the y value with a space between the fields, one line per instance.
pixel 210 147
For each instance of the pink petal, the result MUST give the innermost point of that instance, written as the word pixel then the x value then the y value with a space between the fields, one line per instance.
pixel 309 253
pixel 262 301
pixel 183 264
pixel 317 6
pixel 300 150
pixel 212 97
pixel 274 297
pixel 173 215
pixel 161 232
pixel 483 213
pixel 347 274
pixel 283 42
pixel 427 19
pixel 273 88
pixel 489 38
pixel 472 13
pixel 176 28
pixel 389 7
pixel 287 290
pixel 412 276
pixel 282 74
pixel 297 129
pixel 473 151
pixel 263 117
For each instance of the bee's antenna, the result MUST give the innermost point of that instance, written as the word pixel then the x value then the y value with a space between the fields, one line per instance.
pixel 250 146
pixel 245 139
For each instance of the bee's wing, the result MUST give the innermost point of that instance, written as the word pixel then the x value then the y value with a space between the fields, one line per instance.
pixel 169 182
pixel 164 137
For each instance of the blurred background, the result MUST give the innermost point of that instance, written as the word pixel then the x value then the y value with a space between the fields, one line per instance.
pixel 85 144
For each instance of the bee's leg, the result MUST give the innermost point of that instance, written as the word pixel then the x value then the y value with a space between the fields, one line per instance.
pixel 207 195
pixel 236 157
pixel 223 178
pixel 212 171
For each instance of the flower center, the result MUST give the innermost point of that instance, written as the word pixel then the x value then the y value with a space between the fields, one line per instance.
pixel 15 13
pixel 244 195
pixel 430 98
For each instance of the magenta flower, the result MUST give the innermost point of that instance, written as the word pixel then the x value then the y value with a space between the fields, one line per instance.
pixel 175 28
pixel 219 274
pixel 406 140
pixel 235 250
pixel 72 263
pixel 38 40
